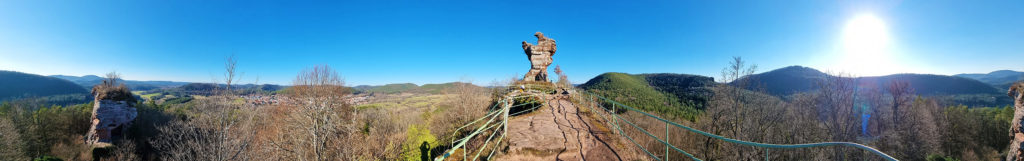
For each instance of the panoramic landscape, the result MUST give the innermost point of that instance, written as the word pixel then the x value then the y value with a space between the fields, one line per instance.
pixel 521 81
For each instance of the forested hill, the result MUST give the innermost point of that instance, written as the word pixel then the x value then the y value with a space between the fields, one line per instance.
pixel 932 85
pixel 1001 79
pixel 17 84
pixel 676 94
pixel 784 81
pixel 796 79
pixel 91 80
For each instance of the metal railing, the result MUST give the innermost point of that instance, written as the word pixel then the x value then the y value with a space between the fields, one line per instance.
pixel 609 115
pixel 506 104
pixel 614 118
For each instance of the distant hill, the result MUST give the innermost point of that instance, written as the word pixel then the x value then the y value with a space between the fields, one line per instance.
pixel 388 88
pixel 932 85
pixel 675 94
pixel 1001 79
pixel 16 85
pixel 439 88
pixel 795 79
pixel 785 81
pixel 88 81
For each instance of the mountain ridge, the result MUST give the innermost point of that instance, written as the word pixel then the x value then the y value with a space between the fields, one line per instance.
pixel 88 81
pixel 15 84
pixel 1000 79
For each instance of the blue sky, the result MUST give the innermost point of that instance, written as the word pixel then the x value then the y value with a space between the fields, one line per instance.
pixel 380 42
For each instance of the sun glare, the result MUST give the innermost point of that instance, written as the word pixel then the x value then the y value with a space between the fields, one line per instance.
pixel 866 46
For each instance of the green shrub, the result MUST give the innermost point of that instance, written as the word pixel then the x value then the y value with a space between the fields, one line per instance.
pixel 418 143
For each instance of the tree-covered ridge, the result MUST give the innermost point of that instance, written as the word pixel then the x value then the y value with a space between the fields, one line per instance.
pixel 673 94
pixel 784 82
pixel 16 84
pixel 1000 79
pixel 795 79
pixel 88 81
pixel 690 89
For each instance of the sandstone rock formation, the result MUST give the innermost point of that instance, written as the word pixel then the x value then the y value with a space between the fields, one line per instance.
pixel 1016 150
pixel 560 131
pixel 539 56
pixel 112 113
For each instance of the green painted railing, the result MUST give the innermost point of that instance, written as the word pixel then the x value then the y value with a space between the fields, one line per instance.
pixel 506 105
pixel 609 115
pixel 615 118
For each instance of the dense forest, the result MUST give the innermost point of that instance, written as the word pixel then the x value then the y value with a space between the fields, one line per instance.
pixel 636 91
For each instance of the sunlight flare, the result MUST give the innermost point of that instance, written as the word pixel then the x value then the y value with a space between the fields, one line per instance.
pixel 866 46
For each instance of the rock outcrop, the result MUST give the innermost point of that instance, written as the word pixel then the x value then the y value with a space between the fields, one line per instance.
pixel 539 56
pixel 1016 150
pixel 112 112
pixel 560 131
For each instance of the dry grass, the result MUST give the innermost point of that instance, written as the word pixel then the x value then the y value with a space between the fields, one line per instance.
pixel 110 89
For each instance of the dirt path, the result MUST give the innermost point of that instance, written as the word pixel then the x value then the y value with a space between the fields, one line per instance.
pixel 559 131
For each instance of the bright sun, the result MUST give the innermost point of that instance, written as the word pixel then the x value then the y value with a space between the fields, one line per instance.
pixel 866 46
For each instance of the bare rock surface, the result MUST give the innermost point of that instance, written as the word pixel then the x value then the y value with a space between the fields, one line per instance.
pixel 109 119
pixel 540 57
pixel 1016 150
pixel 559 131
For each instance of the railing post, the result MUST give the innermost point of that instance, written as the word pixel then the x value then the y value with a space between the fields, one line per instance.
pixel 765 154
pixel 507 109
pixel 615 121
pixel 666 140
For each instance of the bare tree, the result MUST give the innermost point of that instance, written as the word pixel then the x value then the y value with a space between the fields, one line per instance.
pixel 231 75
pixel 562 78
pixel 11 145
pixel 229 71
pixel 901 94
pixel 835 105
pixel 112 78
pixel 321 118
pixel 218 129
pixel 738 110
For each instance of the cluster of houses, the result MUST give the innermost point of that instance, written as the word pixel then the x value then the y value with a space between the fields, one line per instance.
pixel 260 99
pixel 273 99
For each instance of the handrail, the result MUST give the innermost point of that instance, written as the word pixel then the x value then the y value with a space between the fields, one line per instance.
pixel 512 93
pixel 749 143
pixel 506 105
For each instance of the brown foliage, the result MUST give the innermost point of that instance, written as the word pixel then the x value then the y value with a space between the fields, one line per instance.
pixel 466 102
pixel 901 94
pixel 219 130
pixel 10 141
pixel 320 122
pixel 110 89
